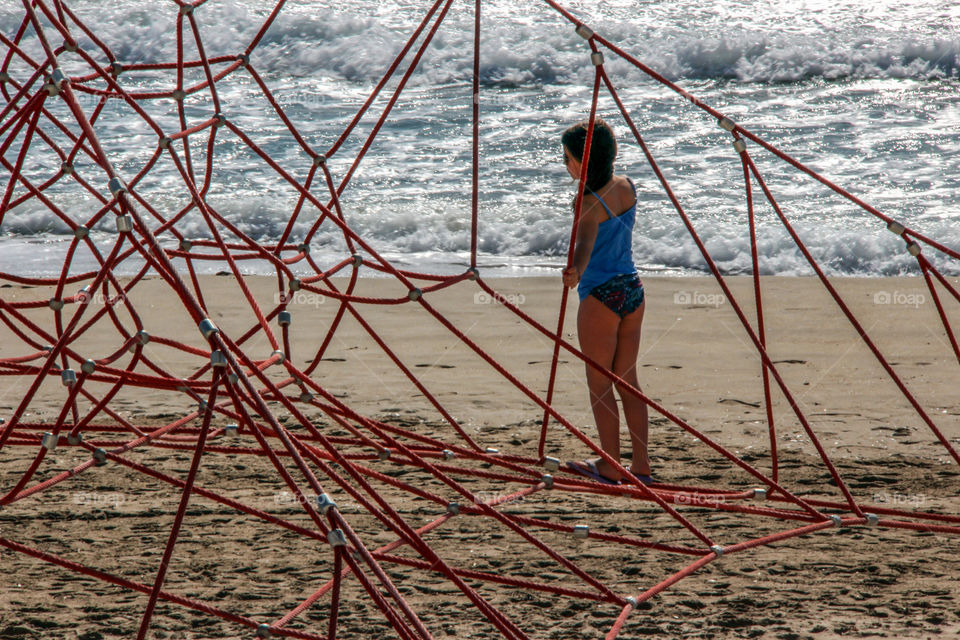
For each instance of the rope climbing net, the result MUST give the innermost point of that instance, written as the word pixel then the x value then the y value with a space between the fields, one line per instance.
pixel 329 451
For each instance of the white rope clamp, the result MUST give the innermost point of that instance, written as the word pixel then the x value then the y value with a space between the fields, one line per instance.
pixel 124 224
pixel 739 145
pixel 325 503
pixel 584 31
pixel 596 58
pixel 913 248
pixel 207 328
pixel 896 228
pixel 116 186
pixel 49 441
pixel 727 124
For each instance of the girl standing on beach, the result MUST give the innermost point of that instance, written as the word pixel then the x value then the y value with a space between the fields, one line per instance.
pixel 611 298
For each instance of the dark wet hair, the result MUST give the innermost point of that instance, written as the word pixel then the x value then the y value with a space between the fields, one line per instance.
pixel 603 150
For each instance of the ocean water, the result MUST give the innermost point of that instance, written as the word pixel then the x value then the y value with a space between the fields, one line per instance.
pixel 865 92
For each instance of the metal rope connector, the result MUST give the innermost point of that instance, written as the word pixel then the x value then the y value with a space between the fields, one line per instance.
pixel 727 124
pixel 284 318
pixel 293 285
pixel 244 59
pixel 913 248
pixel 759 494
pixel 218 359
pixel 124 224
pixel 872 519
pixel 474 273
pixel 596 58
pixel 837 520
pixel 584 31
pixel 179 95
pixel 116 186
pixel 207 328
pixel 186 9
pixel 263 631
pixel 56 304
pixel 581 531
pixel 277 352
pixel 325 503
pixel 453 508
pixel 896 228
pixel 116 68
pixel 739 145
pixel 88 367
pixel 551 463
pixel 49 441
pixel 547 481
pixel 99 457
pixel 319 160
pixel 448 455
pixel 357 259
pixel 68 377
pixel 74 439
pixel 165 142
pixel 81 232
pixel 717 549
pixel 66 168
pixel 414 294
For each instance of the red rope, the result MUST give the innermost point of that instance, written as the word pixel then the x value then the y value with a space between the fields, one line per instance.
pixel 248 390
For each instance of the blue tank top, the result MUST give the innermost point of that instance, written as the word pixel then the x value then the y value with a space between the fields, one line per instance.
pixel 612 253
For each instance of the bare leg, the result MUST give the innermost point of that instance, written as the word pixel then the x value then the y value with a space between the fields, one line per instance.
pixel 634 409
pixel 597 328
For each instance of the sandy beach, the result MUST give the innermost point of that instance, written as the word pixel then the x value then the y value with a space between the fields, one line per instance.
pixel 696 360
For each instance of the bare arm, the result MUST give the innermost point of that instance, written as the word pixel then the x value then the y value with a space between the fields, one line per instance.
pixel 586 236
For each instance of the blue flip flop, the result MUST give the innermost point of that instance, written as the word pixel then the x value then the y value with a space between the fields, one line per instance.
pixel 589 469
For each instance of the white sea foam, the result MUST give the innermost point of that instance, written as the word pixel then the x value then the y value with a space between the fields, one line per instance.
pixel 871 102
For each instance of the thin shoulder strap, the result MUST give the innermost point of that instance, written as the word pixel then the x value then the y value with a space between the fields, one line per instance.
pixel 605 207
